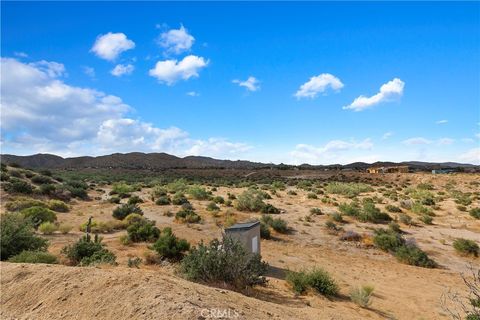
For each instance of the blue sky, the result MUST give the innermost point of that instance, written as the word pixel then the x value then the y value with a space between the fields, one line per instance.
pixel 272 82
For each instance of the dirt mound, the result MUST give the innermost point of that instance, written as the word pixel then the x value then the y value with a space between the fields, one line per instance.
pixel 59 292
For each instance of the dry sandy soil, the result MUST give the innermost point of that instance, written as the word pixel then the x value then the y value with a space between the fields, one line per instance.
pixel 158 292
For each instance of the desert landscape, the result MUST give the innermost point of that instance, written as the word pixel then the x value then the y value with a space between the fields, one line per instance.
pixel 326 220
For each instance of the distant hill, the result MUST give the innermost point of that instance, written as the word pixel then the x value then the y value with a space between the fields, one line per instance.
pixel 158 161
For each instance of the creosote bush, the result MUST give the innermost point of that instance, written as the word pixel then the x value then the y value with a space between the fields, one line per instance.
pixel 47 228
pixel 142 230
pixel 361 296
pixel 475 213
pixel 86 252
pixel 58 206
pixel 163 200
pixel 224 261
pixel 124 210
pixel 34 257
pixel 17 235
pixel 466 247
pixel 316 279
pixel 39 215
pixel 168 246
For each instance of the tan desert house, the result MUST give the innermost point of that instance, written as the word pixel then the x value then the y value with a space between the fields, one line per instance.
pixel 248 233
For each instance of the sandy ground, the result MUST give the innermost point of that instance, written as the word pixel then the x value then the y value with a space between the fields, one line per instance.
pixel 401 291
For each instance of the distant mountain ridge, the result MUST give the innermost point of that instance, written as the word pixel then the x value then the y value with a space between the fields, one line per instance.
pixel 158 161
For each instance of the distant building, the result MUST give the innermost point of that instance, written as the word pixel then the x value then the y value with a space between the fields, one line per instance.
pixel 248 233
pixel 442 171
pixel 396 169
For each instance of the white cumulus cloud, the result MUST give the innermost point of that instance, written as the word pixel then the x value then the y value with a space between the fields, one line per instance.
pixel 42 113
pixel 471 156
pixel 387 135
pixel 176 40
pixel 109 46
pixel 121 69
pixel 318 84
pixel 388 92
pixel 251 84
pixel 445 141
pixel 170 71
pixel 441 121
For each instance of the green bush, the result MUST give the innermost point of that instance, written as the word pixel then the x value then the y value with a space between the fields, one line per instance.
pixel 38 215
pixel 418 208
pixel 426 219
pixel 392 208
pixel 39 179
pixel 58 206
pixel 124 210
pixel 412 255
pixel 104 226
pixel 21 203
pixel 169 246
pixel 405 219
pixel 134 200
pixel 34 257
pixel 114 199
pixel 65 228
pixel 475 212
pixel 163 200
pixel 317 279
pixel 337 217
pixel 466 247
pixel 316 211
pixel 47 189
pixel 348 189
pixel 218 199
pixel 250 200
pixel 86 252
pixel 18 186
pixel 143 230
pixel 17 235
pixel 351 209
pixel 47 228
pixel 388 240
pixel 264 231
pixel 312 195
pixel 212 206
pixel 224 261
pixel 361 296
pixel 187 215
pixel 122 189
pixel 268 208
pixel 199 193
pixel 179 199
pixel 370 213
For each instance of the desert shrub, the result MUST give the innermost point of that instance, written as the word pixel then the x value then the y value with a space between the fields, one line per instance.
pixel 124 210
pixel 291 193
pixel 134 263
pixel 426 219
pixel 387 240
pixel 370 213
pixel 219 200
pixel 58 206
pixel 163 200
pixel 21 203
pixel 270 209
pixel 47 189
pixel 312 195
pixel 361 296
pixel 104 226
pixel 45 172
pixel 65 228
pixel 37 215
pixel 231 196
pixel 316 279
pixel 347 189
pixel 475 212
pixel 143 230
pixel 16 173
pixel 412 255
pixel 86 252
pixel 179 199
pixel 265 231
pixel 466 247
pixel 133 218
pixel 122 189
pixel 134 200
pixel 392 208
pixel 337 217
pixel 330 225
pixel 77 189
pixel 316 211
pixel 224 261
pixel 177 186
pixel 114 199
pixel 461 208
pixel 212 206
pixel 18 186
pixel 250 200
pixel 17 235
pixel 187 215
pixel 34 257
pixel 199 193
pixel 169 246
pixel 279 225
pixel 406 204
pixel 394 227
pixel 39 179
pixel 351 209
pixel 405 219
pixel 4 176
pixel 47 228
pixel 158 191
